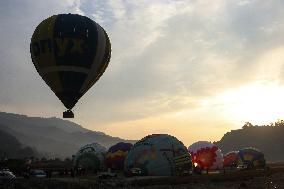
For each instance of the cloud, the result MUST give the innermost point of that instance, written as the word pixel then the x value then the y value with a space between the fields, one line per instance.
pixel 22 90
pixel 167 56
pixel 182 54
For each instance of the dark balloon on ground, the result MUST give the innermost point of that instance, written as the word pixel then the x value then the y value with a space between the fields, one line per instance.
pixel 90 157
pixel 251 157
pixel 116 155
pixel 230 159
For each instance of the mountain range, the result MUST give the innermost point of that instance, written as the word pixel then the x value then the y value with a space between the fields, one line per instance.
pixel 268 139
pixel 22 136
pixel 51 137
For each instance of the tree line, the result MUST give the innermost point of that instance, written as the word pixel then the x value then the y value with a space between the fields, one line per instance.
pixel 278 123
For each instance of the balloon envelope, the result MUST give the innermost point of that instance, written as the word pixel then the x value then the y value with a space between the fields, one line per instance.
pixel 70 52
pixel 230 159
pixel 159 155
pixel 116 155
pixel 206 155
pixel 90 156
pixel 252 157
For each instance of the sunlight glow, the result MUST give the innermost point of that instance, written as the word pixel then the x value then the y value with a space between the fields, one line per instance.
pixel 258 103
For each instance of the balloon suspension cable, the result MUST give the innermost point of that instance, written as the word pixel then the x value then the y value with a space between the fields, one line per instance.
pixel 68 114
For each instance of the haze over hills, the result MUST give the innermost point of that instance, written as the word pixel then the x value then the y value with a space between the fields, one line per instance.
pixel 12 148
pixel 52 137
pixel 268 139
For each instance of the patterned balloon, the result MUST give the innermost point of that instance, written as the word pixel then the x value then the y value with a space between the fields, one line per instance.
pixel 116 155
pixel 206 155
pixel 70 52
pixel 90 156
pixel 251 157
pixel 230 159
pixel 158 154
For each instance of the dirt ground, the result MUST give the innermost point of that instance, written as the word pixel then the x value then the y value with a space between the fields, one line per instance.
pixel 272 182
pixel 274 179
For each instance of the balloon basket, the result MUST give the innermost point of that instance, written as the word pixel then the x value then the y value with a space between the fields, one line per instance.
pixel 68 114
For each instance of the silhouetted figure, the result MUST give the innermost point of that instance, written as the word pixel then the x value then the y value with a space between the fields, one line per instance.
pixel 72 173
pixel 49 174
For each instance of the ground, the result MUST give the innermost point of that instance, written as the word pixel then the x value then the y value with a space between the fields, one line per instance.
pixel 257 179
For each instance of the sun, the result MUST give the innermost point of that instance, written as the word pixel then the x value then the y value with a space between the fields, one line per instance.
pixel 258 103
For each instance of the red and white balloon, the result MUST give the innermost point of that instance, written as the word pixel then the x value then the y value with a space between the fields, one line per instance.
pixel 206 155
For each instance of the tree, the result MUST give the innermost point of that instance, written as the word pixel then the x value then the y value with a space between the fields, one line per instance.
pixel 247 125
pixel 279 123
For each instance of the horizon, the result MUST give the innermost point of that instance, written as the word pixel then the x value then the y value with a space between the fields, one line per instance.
pixel 190 69
pixel 249 124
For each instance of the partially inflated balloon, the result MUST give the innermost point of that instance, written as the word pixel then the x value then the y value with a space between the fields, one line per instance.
pixel 116 155
pixel 158 155
pixel 206 155
pixel 70 53
pixel 251 157
pixel 230 159
pixel 90 156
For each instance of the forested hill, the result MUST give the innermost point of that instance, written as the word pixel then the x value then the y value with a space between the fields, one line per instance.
pixel 52 137
pixel 268 139
pixel 11 148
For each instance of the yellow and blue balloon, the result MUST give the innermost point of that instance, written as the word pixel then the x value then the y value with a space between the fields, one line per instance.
pixel 70 52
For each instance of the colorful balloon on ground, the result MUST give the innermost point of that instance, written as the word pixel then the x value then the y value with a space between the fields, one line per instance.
pixel 251 157
pixel 206 155
pixel 159 155
pixel 90 156
pixel 70 52
pixel 116 155
pixel 230 159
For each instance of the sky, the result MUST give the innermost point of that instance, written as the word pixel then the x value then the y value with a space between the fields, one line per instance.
pixel 194 69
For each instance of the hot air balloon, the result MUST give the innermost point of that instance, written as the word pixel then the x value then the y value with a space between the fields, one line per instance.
pixel 251 157
pixel 158 155
pixel 230 159
pixel 116 155
pixel 206 155
pixel 70 52
pixel 90 156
